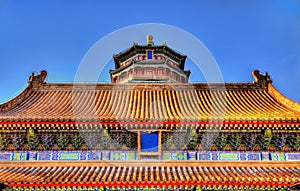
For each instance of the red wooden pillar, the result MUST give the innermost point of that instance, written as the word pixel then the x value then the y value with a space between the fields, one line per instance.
pixel 139 144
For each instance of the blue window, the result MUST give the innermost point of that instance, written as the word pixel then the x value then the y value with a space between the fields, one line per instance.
pixel 149 142
pixel 149 55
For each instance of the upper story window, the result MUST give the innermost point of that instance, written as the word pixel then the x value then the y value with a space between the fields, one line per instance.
pixel 138 71
pixel 139 57
pixel 160 71
pixel 149 54
pixel 149 73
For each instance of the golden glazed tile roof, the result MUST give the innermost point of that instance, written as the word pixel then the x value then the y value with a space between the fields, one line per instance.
pixel 133 173
pixel 150 103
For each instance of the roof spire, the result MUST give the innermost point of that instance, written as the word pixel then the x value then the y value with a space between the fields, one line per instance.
pixel 149 41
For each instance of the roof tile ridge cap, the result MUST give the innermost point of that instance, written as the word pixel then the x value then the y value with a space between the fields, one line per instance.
pixel 56 87
pixel 283 99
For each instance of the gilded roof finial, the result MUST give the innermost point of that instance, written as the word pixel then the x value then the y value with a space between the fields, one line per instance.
pixel 149 41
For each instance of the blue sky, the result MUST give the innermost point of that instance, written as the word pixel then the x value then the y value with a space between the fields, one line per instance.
pixel 242 36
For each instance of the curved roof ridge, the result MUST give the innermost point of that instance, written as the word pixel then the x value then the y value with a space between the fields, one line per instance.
pixel 149 86
pixel 16 100
pixel 34 81
pixel 283 99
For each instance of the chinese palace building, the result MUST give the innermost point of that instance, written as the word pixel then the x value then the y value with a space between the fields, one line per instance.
pixel 150 129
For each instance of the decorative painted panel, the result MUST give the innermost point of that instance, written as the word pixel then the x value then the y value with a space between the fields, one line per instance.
pixel 292 156
pixel 44 155
pixel 166 155
pixel 216 155
pixel 204 155
pixel 278 156
pixel 132 155
pixel 69 155
pixel 173 155
pixel 32 155
pixel 265 156
pixel 94 155
pixel 123 155
pixel 192 155
pixel 229 156
pixel 251 156
pixel 6 156
pixel 22 155
pixel 105 155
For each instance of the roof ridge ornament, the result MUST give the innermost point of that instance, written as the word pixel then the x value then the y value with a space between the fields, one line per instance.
pixel 262 79
pixel 37 80
pixel 149 41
